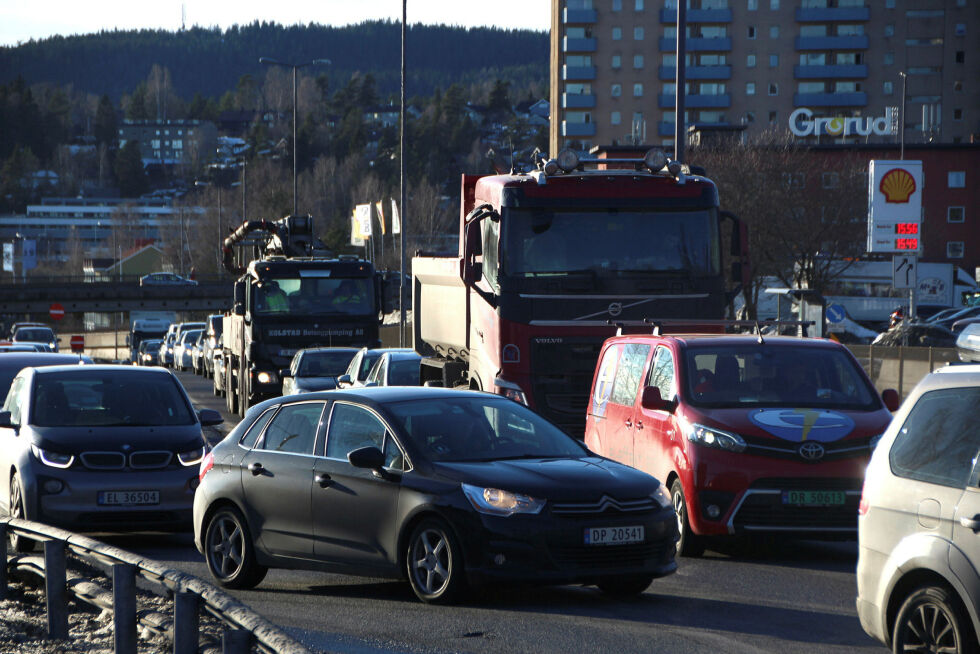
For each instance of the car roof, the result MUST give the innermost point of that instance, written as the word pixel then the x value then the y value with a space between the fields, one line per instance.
pixel 401 355
pixel 102 367
pixel 330 349
pixel 381 395
pixel 730 340
pixel 28 359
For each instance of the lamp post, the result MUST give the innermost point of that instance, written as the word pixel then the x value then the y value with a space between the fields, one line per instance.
pixel 901 122
pixel 217 189
pixel 275 62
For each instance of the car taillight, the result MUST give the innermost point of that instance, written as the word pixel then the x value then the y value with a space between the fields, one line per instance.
pixel 206 464
pixel 863 505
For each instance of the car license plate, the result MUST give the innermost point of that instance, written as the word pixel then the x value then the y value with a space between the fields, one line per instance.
pixel 814 498
pixel 613 535
pixel 129 498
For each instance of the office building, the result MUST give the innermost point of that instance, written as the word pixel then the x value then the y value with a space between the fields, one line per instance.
pixel 824 71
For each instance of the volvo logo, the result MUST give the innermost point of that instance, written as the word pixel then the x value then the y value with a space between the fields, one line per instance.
pixel 811 451
pixel 615 309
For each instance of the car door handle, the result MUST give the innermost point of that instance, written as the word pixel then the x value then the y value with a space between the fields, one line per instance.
pixel 629 423
pixel 256 468
pixel 322 478
pixel 639 424
pixel 971 523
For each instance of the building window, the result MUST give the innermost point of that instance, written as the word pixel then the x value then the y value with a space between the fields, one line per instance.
pixel 637 33
pixel 955 214
pixel 960 57
pixel 617 33
pixel 750 61
pixel 774 4
pixel 889 58
pixel 889 4
pixel 889 30
pixel 615 118
pixel 637 90
pixel 751 32
pixel 616 62
pixel 753 5
pixel 617 5
pixel 954 249
pixel 957 86
pixel 830 180
pixel 960 29
pixel 774 31
pixel 957 114
pixel 637 61
pixel 773 60
pixel 886 88
pixel 773 117
pixel 749 117
pixel 639 5
pixel 773 88
pixel 750 88
pixel 616 90
pixel 956 179
pixel 813 30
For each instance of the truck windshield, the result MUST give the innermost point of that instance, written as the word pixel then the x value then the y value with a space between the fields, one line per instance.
pixel 299 296
pixel 545 242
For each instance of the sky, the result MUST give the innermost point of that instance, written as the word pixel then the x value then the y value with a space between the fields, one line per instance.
pixel 22 20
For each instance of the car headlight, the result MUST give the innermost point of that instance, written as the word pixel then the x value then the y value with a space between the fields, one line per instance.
pixel 191 457
pixel 266 377
pixel 711 437
pixel 53 459
pixel 494 501
pixel 662 497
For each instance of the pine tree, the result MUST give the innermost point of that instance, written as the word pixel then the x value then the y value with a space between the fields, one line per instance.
pixel 105 122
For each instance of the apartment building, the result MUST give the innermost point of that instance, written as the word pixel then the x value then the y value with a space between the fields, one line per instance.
pixel 171 142
pixel 825 71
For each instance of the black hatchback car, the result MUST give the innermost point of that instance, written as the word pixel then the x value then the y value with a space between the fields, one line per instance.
pixel 445 488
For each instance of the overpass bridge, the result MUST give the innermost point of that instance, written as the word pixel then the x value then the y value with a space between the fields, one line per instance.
pixel 36 297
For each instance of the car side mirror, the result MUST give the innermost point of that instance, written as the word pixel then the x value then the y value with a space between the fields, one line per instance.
pixel 891 399
pixel 5 419
pixel 209 417
pixel 285 372
pixel 343 379
pixel 370 458
pixel 652 400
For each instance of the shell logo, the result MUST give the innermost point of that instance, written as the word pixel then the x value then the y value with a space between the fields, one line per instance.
pixel 897 185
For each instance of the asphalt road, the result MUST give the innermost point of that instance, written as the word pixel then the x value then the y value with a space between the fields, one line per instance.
pixel 740 597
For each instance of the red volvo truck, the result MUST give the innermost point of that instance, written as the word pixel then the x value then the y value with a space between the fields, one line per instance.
pixel 552 261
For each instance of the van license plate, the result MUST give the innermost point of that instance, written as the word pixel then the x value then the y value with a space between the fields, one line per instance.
pixel 814 498
pixel 130 498
pixel 613 535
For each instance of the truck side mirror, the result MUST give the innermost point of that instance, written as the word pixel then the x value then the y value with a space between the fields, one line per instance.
pixel 238 293
pixel 652 400
pixel 473 273
pixel 239 309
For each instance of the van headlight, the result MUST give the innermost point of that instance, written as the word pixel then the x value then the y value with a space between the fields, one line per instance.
pixel 53 459
pixel 711 437
pixel 494 501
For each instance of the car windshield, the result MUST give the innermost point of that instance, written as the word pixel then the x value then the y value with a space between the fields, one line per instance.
pixel 481 429
pixel 324 364
pixel 308 295
pixel 792 376
pixel 104 398
pixel 542 242
pixel 34 334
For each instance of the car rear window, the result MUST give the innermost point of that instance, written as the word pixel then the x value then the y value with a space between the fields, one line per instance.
pixel 766 374
pixel 108 398
pixel 35 335
pixel 324 364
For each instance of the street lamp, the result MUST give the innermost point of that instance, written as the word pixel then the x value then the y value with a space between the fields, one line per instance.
pixel 217 189
pixel 901 126
pixel 275 62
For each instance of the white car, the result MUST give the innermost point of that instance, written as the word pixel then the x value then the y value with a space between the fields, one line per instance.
pixel 919 521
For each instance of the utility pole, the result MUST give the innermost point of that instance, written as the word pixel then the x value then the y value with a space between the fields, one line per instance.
pixel 901 126
pixel 401 183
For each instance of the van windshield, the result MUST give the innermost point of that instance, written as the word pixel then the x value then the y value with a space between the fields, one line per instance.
pixel 770 375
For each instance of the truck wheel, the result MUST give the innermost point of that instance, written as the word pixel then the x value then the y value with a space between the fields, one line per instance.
pixel 243 391
pixel 231 394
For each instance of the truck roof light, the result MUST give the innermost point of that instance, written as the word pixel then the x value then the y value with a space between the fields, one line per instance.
pixel 567 160
pixel 551 167
pixel 655 159
pixel 674 168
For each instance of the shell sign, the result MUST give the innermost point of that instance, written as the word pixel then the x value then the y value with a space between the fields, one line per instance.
pixel 895 206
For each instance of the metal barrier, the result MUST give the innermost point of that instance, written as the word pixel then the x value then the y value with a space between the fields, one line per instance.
pixel 244 628
pixel 901 367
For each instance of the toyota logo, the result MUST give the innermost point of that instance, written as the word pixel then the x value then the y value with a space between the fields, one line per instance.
pixel 615 309
pixel 811 451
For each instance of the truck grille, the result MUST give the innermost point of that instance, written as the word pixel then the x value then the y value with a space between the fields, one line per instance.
pixel 562 379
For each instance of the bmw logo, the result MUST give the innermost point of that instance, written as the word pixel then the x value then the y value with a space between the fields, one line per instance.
pixel 615 309
pixel 811 451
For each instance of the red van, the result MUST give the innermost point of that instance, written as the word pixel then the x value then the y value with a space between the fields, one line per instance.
pixel 752 434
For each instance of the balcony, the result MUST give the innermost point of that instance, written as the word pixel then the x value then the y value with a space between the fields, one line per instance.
pixel 578 73
pixel 698 44
pixel 830 14
pixel 721 101
pixel 852 71
pixel 697 72
pixel 669 16
pixel 854 99
pixel 578 16
pixel 577 129
pixel 577 100
pixel 578 45
pixel 664 128
pixel 832 42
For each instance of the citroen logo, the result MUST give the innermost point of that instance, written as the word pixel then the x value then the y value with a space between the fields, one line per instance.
pixel 615 309
pixel 811 451
pixel 126 447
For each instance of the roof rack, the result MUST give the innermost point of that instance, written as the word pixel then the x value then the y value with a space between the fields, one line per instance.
pixel 657 324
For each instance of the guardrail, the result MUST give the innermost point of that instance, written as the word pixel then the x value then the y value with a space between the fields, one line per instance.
pixel 244 630
pixel 901 367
